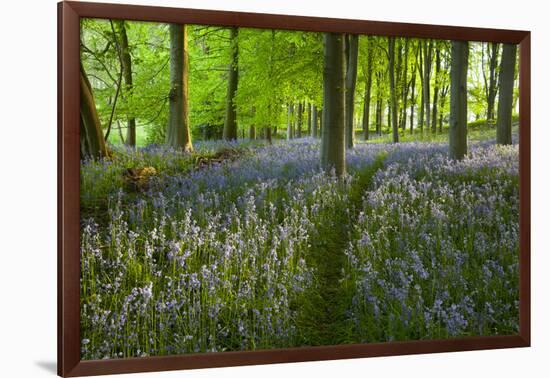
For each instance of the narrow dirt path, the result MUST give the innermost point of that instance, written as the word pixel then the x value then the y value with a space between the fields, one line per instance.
pixel 324 319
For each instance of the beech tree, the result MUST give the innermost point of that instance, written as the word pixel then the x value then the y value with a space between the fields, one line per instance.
pixel 333 151
pixel 368 87
pixel 314 121
pixel 230 123
pixel 299 118
pixel 436 87
pixel 352 51
pixel 289 129
pixel 420 67
pixel 427 52
pixel 260 83
pixel 404 83
pixel 413 96
pixel 178 134
pixel 491 77
pixel 128 81
pixel 92 142
pixel 393 95
pixel 459 102
pixel 506 94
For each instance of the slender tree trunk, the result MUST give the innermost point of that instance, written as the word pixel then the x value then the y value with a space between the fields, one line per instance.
pixel 252 132
pixel 366 112
pixel 289 135
pixel 230 123
pixel 436 88
pixel 351 79
pixel 405 86
pixel 92 142
pixel 309 118
pixel 393 95
pixel 459 104
pixel 389 108
pixel 268 134
pixel 119 81
pixel 506 94
pixel 378 105
pixel 178 134
pixel 379 116
pixel 413 100
pixel 128 87
pixel 299 120
pixel 314 120
pixel 491 91
pixel 252 127
pixel 440 121
pixel 333 148
pixel 320 122
pixel 442 102
pixel 368 86
pixel 422 101
pixel 428 51
pixel 398 54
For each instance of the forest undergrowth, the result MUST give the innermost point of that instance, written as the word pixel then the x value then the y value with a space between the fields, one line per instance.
pixel 266 250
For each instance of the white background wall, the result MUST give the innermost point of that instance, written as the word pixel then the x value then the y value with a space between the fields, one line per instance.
pixel 28 186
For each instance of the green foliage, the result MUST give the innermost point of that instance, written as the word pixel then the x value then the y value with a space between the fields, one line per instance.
pixel 148 45
pixel 276 68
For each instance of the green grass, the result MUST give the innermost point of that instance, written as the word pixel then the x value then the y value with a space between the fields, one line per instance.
pixel 323 317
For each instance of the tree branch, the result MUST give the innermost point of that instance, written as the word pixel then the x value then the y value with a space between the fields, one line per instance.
pixel 119 81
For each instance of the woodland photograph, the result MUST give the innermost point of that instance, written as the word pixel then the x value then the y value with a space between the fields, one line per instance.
pixel 246 189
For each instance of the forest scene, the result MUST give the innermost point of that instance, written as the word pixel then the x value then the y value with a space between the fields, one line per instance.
pixel 246 189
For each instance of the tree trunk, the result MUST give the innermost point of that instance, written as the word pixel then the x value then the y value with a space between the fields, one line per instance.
pixel 405 86
pixel 252 132
pixel 309 118
pixel 393 95
pixel 351 79
pixel 413 100
pixel 506 94
pixel 428 51
pixel 443 100
pixel 436 88
pixel 368 86
pixel 289 135
pixel 127 72
pixel 230 123
pixel 268 134
pixel 299 120
pixel 333 148
pixel 389 108
pixel 92 142
pixel 178 134
pixel 422 101
pixel 314 119
pixel 379 116
pixel 491 91
pixel 459 103
pixel 398 54
pixel 320 122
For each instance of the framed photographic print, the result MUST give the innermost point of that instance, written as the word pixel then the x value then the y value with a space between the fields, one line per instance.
pixel 239 188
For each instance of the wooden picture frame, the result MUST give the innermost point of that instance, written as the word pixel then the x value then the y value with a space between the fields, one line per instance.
pixel 69 14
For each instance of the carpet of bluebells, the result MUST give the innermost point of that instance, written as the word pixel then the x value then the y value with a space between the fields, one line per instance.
pixel 226 257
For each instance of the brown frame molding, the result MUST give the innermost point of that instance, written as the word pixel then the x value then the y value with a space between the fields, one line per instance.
pixel 68 218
